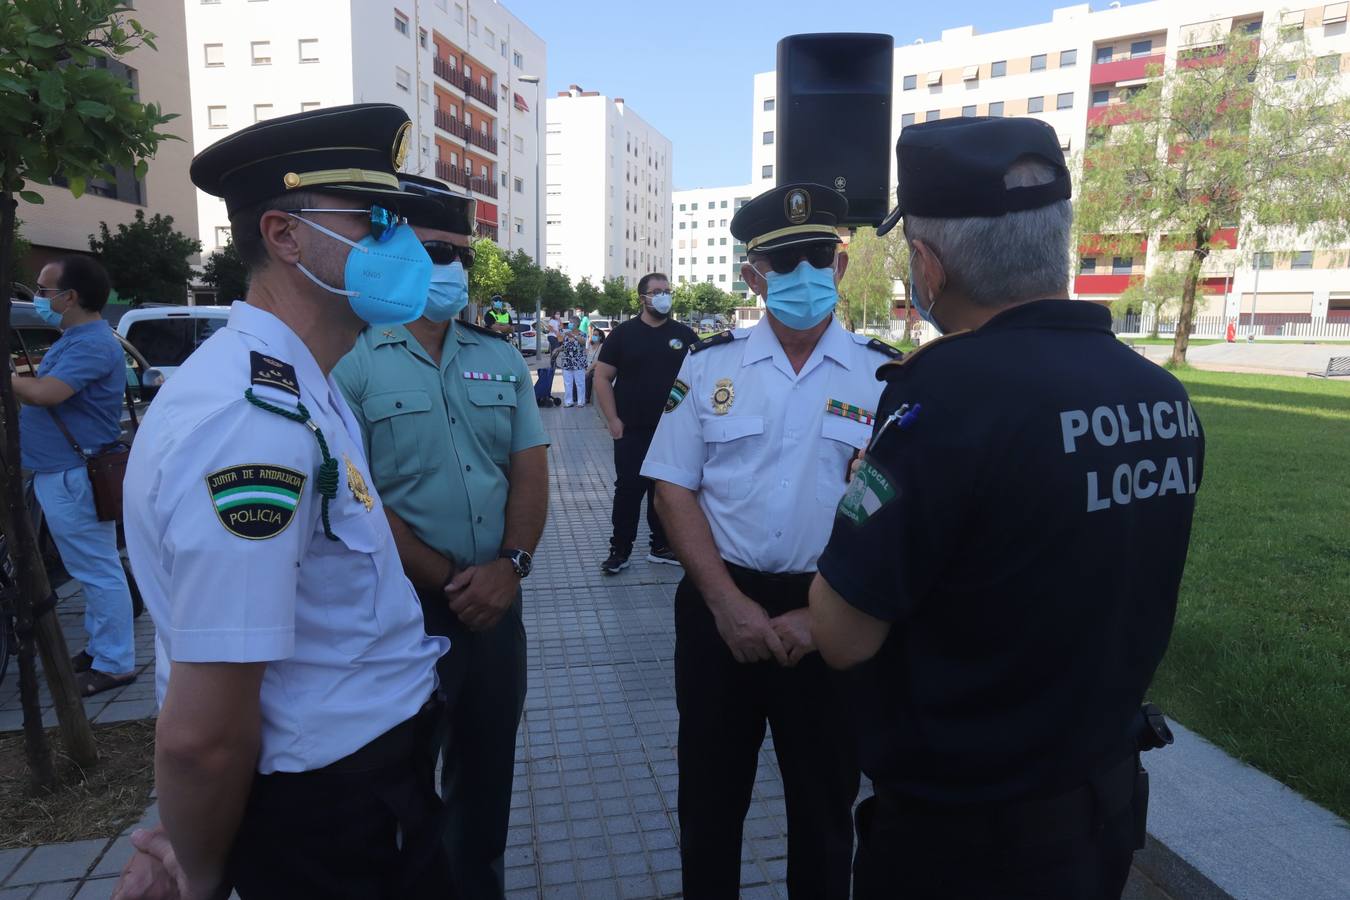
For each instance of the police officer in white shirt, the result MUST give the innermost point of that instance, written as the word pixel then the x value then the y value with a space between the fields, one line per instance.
pixel 294 671
pixel 750 461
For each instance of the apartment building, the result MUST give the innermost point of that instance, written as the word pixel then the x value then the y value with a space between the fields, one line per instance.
pixel 62 224
pixel 1069 72
pixel 607 189
pixel 468 72
pixel 702 248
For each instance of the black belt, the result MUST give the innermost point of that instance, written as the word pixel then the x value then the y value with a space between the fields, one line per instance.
pixel 784 577
pixel 1065 816
pixel 393 748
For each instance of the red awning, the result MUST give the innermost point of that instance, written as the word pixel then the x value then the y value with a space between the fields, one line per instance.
pixel 521 104
pixel 486 212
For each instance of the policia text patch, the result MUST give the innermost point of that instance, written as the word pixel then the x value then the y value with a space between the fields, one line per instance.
pixel 256 501
pixel 869 490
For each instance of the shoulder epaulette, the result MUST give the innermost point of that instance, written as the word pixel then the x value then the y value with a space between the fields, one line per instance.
pixel 722 337
pixel 907 358
pixel 879 346
pixel 483 329
pixel 273 373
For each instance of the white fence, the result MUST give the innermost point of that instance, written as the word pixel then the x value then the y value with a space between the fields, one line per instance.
pixel 1264 325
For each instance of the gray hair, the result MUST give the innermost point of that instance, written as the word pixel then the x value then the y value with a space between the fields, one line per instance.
pixel 1007 259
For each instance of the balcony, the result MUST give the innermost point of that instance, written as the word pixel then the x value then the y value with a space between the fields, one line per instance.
pixel 451 125
pixel 485 186
pixel 484 95
pixel 487 231
pixel 1104 284
pixel 1130 69
pixel 447 123
pixel 487 141
pixel 452 174
pixel 446 72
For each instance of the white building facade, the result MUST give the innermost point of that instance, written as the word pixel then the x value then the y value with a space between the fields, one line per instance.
pixel 703 248
pixel 456 66
pixel 607 190
pixel 1069 72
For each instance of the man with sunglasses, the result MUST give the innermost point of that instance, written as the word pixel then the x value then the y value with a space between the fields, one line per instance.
pixel 295 675
pixel 459 455
pixel 750 460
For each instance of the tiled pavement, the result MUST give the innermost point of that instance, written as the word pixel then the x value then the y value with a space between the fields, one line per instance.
pixel 594 804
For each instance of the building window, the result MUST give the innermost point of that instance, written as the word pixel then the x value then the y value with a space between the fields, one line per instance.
pixel 1329 66
pixel 473 25
pixel 682 226
pixel 402 80
pixel 262 53
pixel 1103 55
pixel 1038 63
pixel 424 92
pixel 906 120
pixel 1036 104
pixel 968 112
pixel 712 223
pixel 1302 260
pixel 520 226
pixel 1101 98
pixel 1068 58
pixel 503 179
pixel 1122 265
pixel 724 204
pixel 400 23
pixel 721 277
pixel 1264 261
pixel 996 109
pixel 520 185
pixel 1140 48
pixel 768 104
pixel 932 115
pixel 309 50
pixel 215 117
pixel 1087 265
pixel 1064 101
pixel 517 60
pixel 722 242
pixel 490 36
pixel 222 235
pixel 710 260
pixel 911 82
pixel 681 207
pixel 215 55
pixel 766 172
pixel 998 69
pixel 307 105
pixel 722 223
pixel 518 143
pixel 767 138
pixel 262 111
pixel 459 14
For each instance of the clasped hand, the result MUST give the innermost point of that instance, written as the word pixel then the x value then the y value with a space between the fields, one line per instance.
pixel 752 636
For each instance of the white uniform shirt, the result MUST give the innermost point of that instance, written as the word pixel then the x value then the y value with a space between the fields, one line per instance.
pixel 337 621
pixel 769 466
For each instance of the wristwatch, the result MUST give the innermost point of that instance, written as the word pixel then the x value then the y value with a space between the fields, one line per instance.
pixel 521 560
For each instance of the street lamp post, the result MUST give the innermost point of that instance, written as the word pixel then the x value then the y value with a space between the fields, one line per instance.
pixel 538 212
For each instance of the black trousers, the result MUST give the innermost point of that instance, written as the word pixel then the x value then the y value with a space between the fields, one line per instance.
pixel 724 706
pixel 361 829
pixel 483 681
pixel 629 489
pixel 905 852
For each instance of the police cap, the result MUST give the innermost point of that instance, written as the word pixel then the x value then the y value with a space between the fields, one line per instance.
pixel 349 150
pixel 791 214
pixel 954 168
pixel 438 206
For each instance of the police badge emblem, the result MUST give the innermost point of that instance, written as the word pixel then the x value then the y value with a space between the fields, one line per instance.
pixel 797 206
pixel 356 483
pixel 399 152
pixel 255 502
pixel 723 394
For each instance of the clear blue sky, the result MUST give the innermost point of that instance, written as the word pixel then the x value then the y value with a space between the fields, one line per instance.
pixel 688 67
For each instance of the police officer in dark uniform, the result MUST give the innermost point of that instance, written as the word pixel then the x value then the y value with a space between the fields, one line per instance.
pixel 1003 571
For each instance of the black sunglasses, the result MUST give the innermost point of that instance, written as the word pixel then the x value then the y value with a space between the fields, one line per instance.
pixel 443 253
pixel 785 259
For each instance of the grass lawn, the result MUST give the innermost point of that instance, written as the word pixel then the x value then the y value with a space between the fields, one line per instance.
pixel 1260 658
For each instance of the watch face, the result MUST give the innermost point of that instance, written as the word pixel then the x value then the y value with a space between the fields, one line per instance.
pixel 522 562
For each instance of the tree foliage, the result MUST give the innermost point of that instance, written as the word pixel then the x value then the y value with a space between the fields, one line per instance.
pixel 875 264
pixel 557 293
pixel 587 295
pixel 617 298
pixel 148 259
pixel 491 274
pixel 225 271
pixel 527 285
pixel 1245 132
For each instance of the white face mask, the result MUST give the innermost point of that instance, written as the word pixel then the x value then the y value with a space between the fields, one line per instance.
pixel 661 303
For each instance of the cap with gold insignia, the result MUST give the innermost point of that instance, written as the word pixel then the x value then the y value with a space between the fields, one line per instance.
pixel 791 214
pixel 954 168
pixel 351 150
pixel 442 208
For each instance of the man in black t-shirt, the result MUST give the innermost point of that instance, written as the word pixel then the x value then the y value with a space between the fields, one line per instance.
pixel 637 365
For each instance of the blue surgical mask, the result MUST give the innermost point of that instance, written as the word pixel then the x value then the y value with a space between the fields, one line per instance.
pixel 43 307
pixel 386 282
pixel 449 292
pixel 925 314
pixel 803 298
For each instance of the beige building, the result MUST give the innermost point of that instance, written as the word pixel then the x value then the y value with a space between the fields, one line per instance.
pixel 63 224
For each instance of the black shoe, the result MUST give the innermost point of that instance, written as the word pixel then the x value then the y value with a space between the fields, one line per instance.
pixel 664 556
pixel 615 564
pixel 557 401
pixel 81 662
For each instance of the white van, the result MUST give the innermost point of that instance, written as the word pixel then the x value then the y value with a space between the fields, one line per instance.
pixel 167 335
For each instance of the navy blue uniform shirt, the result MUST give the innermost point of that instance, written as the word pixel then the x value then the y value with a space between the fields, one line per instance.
pixel 1024 532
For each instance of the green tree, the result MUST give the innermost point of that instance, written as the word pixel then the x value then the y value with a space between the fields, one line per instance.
pixel 1245 131
pixel 1156 295
pixel 710 300
pixel 225 271
pixel 557 292
pixel 528 285
pixel 61 112
pixel 682 304
pixel 491 273
pixel 147 260
pixel 617 298
pixel 587 295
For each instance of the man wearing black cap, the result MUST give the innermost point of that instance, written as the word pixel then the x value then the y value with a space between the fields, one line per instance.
pixel 295 673
pixel 460 458
pixel 1003 571
pixel 750 459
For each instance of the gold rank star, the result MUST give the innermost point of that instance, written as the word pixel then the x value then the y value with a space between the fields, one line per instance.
pixel 356 483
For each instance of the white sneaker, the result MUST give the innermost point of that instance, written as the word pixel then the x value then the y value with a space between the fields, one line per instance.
pixel 565 405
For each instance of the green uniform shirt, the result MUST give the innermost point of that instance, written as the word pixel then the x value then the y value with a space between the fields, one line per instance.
pixel 439 439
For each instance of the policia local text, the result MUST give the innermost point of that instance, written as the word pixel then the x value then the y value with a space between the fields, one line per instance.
pixel 1125 424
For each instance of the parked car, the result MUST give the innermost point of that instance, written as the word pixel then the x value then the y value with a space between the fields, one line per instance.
pixel 525 338
pixel 167 335
pixel 605 325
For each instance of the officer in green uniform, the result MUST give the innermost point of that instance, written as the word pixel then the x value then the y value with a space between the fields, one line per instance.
pixel 459 455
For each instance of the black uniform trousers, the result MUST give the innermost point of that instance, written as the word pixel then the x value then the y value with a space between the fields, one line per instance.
pixel 1075 846
pixel 629 489
pixel 724 706
pixel 363 828
pixel 483 682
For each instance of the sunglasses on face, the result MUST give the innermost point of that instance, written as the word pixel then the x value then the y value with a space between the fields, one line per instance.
pixel 784 260
pixel 383 223
pixel 443 253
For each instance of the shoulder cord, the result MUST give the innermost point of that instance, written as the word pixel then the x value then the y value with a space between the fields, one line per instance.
pixel 328 470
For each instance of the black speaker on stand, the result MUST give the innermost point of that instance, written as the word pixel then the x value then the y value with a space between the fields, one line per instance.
pixel 834 117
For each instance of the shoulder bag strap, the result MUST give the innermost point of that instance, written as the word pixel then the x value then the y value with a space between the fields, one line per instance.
pixel 66 431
